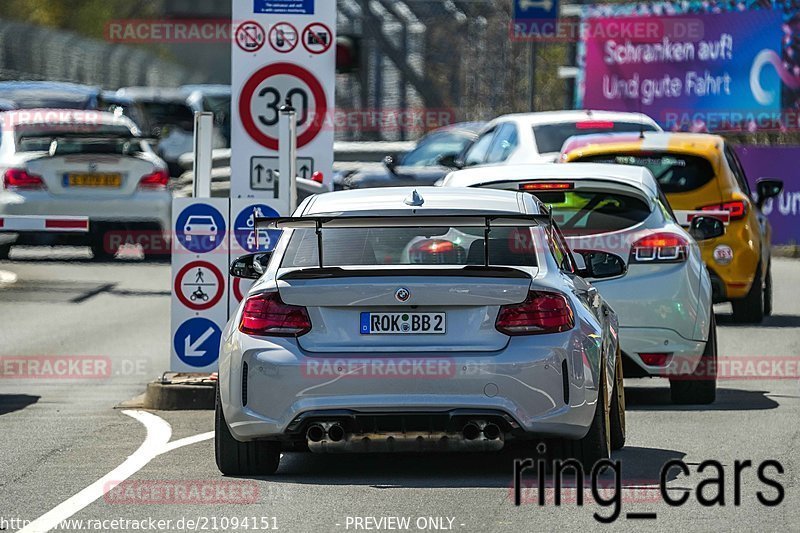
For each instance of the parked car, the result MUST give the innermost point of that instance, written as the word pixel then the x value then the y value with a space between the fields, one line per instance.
pixel 496 344
pixel 664 298
pixel 66 162
pixel 215 99
pixel 424 165
pixel 702 172
pixel 49 94
pixel 538 137
pixel 168 117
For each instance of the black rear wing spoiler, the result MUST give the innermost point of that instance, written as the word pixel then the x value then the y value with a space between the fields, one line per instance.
pixel 487 222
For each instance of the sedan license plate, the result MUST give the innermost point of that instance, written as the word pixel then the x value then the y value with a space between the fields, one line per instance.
pixel 93 180
pixel 403 324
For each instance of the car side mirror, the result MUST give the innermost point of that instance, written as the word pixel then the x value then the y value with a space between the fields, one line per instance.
pixel 599 265
pixel 250 266
pixel 768 188
pixel 450 161
pixel 705 228
pixel 390 162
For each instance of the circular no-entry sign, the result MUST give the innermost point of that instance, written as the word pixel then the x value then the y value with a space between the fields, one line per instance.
pixel 268 89
pixel 283 37
pixel 199 285
pixel 250 36
pixel 317 38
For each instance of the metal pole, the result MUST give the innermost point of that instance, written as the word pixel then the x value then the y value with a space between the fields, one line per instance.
pixel 287 151
pixel 203 146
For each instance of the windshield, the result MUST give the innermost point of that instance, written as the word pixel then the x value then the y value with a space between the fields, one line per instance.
pixel 551 137
pixel 674 172
pixel 509 246
pixel 39 137
pixel 160 114
pixel 430 150
pixel 587 212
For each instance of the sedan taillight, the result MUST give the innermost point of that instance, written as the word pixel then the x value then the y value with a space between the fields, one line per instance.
pixel 660 248
pixel 736 208
pixel 18 178
pixel 266 315
pixel 541 312
pixel 155 180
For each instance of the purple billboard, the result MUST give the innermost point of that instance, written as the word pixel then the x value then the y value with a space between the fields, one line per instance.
pixel 779 162
pixel 698 71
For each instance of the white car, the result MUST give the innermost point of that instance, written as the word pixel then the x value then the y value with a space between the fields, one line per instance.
pixel 664 300
pixel 343 345
pixel 85 163
pixel 538 137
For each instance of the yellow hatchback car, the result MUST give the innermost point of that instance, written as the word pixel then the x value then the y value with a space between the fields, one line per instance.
pixel 701 172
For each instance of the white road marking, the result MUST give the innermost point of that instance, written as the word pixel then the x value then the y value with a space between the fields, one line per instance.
pixel 156 443
pixel 7 278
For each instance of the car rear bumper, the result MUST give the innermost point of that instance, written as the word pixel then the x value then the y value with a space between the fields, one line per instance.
pixel 265 391
pixel 683 354
pixel 144 207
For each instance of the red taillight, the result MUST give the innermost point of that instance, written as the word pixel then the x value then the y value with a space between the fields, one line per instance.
pixel 17 178
pixel 660 247
pixel 595 125
pixel 737 209
pixel 541 312
pixel 156 180
pixel 546 186
pixel 655 359
pixel 266 315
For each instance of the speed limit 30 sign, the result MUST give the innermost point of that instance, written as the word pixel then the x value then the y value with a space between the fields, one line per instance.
pixel 268 89
pixel 299 66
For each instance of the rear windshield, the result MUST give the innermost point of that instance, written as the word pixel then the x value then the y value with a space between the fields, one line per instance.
pixel 674 172
pixel 508 246
pixel 31 138
pixel 587 212
pixel 551 137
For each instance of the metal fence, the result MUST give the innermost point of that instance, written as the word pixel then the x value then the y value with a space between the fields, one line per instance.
pixel 30 52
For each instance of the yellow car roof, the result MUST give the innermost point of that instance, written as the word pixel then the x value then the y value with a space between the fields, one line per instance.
pixel 700 144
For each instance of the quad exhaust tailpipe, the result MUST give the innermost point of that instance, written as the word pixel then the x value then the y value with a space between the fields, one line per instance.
pixel 475 435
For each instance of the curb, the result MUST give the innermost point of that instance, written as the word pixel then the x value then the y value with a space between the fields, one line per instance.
pixel 181 392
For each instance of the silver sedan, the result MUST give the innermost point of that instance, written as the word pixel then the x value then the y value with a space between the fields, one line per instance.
pixel 348 342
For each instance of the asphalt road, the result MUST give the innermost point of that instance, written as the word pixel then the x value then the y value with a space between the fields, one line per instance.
pixel 60 436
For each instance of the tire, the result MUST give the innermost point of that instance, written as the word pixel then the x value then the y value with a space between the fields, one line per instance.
pixel 768 291
pixel 5 250
pixel 99 250
pixel 750 309
pixel 236 458
pixel 693 390
pixel 596 445
pixel 617 413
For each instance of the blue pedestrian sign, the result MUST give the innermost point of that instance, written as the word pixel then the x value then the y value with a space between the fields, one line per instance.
pixel 535 10
pixel 200 228
pixel 249 237
pixel 197 342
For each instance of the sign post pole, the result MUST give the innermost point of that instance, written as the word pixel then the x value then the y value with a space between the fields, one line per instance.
pixel 287 154
pixel 203 146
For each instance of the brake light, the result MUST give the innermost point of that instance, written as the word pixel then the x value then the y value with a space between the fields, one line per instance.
pixel 595 125
pixel 655 359
pixel 547 186
pixel 660 248
pixel 541 312
pixel 267 315
pixel 736 208
pixel 17 178
pixel 155 180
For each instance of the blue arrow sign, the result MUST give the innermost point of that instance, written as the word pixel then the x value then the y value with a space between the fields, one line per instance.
pixel 197 342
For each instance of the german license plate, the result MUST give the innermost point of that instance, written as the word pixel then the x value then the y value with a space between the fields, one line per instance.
pixel 93 180
pixel 403 323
